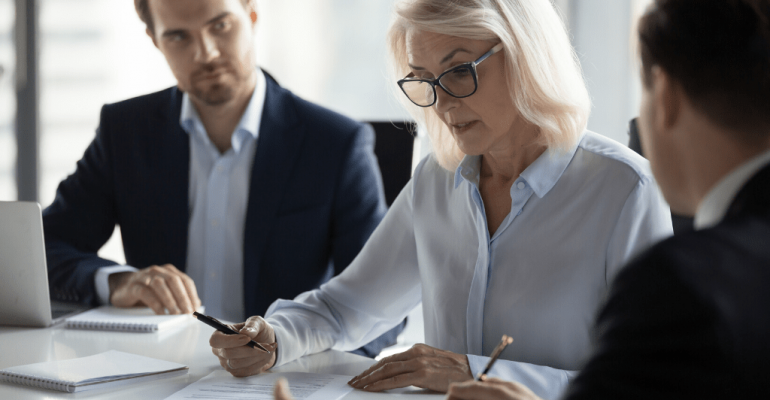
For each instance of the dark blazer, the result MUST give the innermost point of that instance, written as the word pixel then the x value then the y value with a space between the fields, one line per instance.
pixel 690 318
pixel 315 197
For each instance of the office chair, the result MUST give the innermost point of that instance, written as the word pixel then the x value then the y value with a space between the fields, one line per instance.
pixel 393 147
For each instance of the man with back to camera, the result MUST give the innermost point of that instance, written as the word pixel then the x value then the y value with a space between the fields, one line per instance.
pixel 227 188
pixel 689 318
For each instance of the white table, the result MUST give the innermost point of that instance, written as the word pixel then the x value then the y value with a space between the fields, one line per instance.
pixel 185 344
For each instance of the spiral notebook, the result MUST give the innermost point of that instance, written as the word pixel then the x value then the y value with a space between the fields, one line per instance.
pixel 108 369
pixel 109 318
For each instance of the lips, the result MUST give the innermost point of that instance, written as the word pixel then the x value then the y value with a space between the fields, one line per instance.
pixel 211 75
pixel 462 126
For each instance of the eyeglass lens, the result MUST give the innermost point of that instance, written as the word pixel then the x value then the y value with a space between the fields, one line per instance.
pixel 458 82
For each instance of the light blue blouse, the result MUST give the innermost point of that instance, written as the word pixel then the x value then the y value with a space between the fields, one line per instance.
pixel 576 218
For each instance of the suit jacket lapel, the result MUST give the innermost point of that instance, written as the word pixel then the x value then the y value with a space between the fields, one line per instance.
pixel 280 137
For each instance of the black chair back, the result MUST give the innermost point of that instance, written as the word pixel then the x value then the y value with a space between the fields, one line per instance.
pixel 394 147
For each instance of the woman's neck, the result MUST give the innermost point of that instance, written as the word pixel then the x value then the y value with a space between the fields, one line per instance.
pixel 507 161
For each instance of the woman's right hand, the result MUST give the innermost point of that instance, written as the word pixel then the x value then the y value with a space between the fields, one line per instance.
pixel 239 359
pixel 490 389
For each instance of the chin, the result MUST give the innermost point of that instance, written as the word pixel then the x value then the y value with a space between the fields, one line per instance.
pixel 470 147
pixel 216 95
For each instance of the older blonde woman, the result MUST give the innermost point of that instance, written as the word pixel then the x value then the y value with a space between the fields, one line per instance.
pixel 514 225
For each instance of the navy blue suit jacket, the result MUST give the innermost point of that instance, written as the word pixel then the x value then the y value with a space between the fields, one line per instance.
pixel 315 197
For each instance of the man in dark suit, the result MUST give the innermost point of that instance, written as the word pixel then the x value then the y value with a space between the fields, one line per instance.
pixel 227 185
pixel 689 318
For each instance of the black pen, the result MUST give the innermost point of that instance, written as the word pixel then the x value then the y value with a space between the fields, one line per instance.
pixel 495 354
pixel 214 323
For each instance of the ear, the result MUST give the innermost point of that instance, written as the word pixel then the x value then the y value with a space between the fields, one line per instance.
pixel 152 37
pixel 667 99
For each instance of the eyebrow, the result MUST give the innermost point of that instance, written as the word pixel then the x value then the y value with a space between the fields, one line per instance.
pixel 209 22
pixel 443 60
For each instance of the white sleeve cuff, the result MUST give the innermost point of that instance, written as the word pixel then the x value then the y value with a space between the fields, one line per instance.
pixel 546 382
pixel 101 280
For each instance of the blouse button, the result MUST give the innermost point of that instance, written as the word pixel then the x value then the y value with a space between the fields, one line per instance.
pixel 521 185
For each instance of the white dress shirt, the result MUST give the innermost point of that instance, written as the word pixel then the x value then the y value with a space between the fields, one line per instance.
pixel 714 206
pixel 218 200
pixel 576 218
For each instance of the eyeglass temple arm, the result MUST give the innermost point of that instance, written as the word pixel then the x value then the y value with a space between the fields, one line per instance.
pixel 486 55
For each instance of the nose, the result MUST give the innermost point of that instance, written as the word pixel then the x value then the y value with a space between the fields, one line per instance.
pixel 208 49
pixel 444 102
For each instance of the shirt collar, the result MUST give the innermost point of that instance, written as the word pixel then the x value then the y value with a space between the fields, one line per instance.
pixel 716 203
pixel 541 175
pixel 469 170
pixel 247 127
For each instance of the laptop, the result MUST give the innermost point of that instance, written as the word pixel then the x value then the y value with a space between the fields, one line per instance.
pixel 24 293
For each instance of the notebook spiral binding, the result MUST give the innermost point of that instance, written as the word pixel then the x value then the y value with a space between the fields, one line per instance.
pixel 112 326
pixel 36 381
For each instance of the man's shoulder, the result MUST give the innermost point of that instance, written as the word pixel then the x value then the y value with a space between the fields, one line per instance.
pixel 151 101
pixel 727 267
pixel 319 120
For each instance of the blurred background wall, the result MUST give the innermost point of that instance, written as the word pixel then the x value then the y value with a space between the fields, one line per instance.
pixel 332 52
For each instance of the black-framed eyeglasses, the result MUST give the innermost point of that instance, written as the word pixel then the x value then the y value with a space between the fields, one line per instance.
pixel 459 81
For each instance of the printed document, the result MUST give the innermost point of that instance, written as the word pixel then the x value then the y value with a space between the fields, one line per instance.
pixel 303 386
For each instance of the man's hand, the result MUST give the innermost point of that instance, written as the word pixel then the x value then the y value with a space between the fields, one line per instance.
pixel 281 391
pixel 160 288
pixel 422 366
pixel 241 360
pixel 490 389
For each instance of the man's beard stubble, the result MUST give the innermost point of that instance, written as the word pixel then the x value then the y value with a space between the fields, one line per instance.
pixel 217 93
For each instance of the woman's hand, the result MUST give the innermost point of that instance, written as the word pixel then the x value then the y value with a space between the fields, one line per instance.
pixel 490 389
pixel 241 360
pixel 422 366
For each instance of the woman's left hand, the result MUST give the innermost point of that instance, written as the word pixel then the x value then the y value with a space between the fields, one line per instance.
pixel 422 366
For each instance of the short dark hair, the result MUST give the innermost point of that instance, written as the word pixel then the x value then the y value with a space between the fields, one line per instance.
pixel 719 52
pixel 143 9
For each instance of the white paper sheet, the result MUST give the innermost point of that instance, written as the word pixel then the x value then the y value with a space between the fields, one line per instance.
pixel 303 386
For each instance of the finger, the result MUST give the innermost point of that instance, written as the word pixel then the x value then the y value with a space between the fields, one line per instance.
pixel 241 359
pixel 171 268
pixel 221 340
pixel 240 352
pixel 147 296
pixel 259 360
pixel 404 356
pixel 281 391
pixel 179 291
pixel 493 389
pixel 163 293
pixel 192 291
pixel 416 378
pixel 236 366
pixel 258 329
pixel 189 285
pixel 386 371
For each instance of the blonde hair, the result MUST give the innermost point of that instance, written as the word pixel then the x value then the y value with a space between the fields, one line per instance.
pixel 544 75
